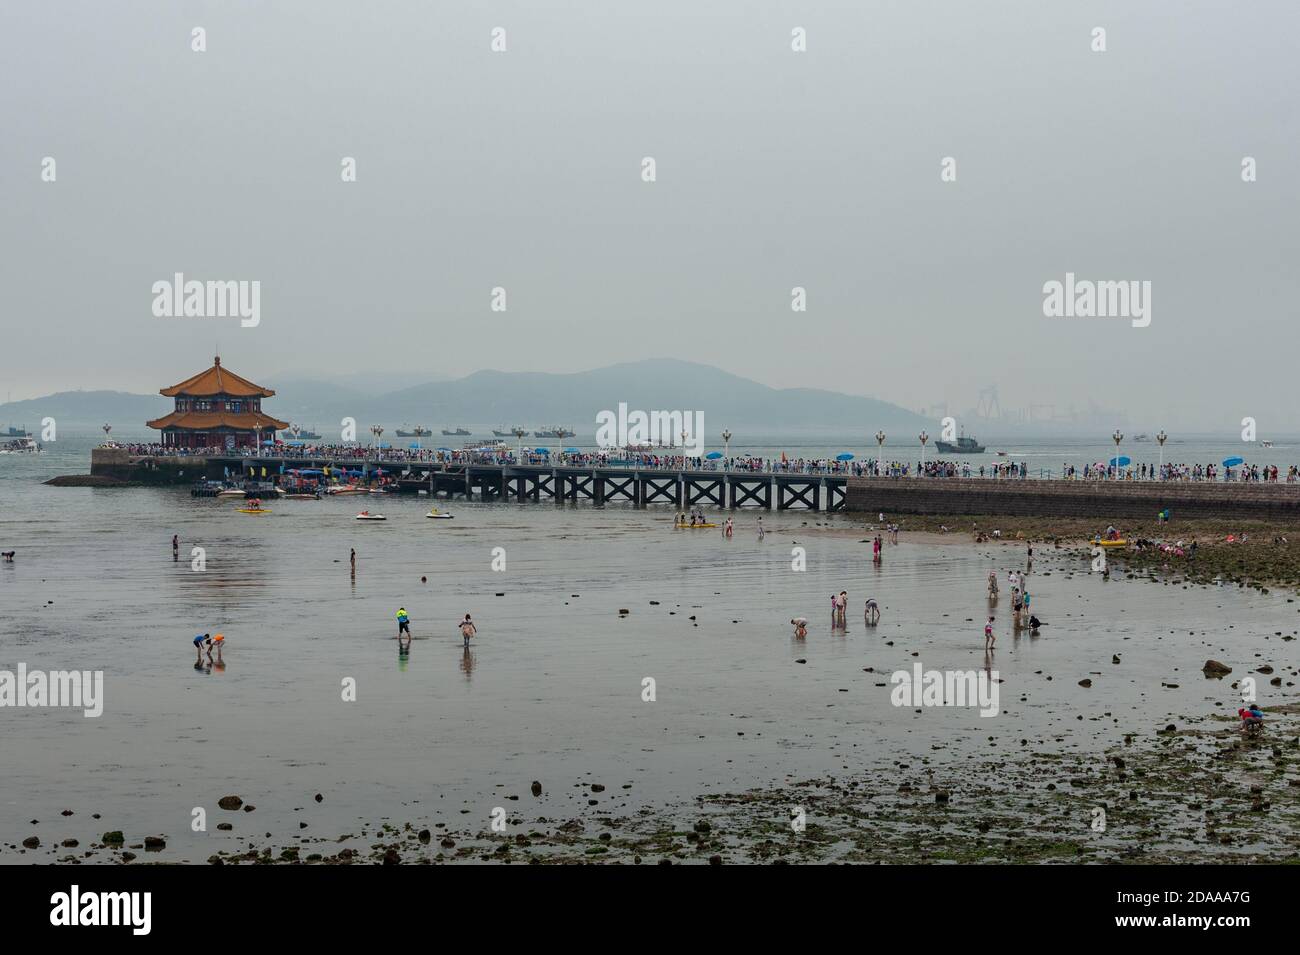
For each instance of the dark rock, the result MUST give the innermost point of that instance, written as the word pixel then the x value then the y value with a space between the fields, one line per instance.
pixel 537 788
pixel 114 838
pixel 31 842
pixel 230 802
pixel 1213 668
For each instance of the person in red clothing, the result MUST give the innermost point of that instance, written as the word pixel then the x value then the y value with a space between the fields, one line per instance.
pixel 1252 718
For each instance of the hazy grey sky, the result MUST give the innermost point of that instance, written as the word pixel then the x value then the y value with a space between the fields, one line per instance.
pixel 775 169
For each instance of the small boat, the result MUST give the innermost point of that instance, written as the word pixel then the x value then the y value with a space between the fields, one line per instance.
pixel 347 489
pixel 300 497
pixel 458 433
pixel 1266 444
pixel 437 515
pixel 692 527
pixel 1116 543
pixel 367 516
pixel 420 431
pixel 253 507
pixel 1002 454
pixel 230 492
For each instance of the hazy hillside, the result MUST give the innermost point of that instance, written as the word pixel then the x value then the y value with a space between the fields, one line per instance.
pixel 531 399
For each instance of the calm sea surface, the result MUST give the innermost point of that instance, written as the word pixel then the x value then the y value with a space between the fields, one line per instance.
pixel 552 687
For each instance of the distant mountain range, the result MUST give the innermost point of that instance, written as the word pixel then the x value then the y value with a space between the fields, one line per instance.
pixel 487 399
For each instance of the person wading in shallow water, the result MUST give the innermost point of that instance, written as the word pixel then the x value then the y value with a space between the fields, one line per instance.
pixel 403 623
pixel 467 629
pixel 176 547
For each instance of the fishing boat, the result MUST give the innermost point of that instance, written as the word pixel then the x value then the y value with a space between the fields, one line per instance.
pixel 367 516
pixel 420 431
pixel 296 432
pixel 963 445
pixel 12 432
pixel 458 433
pixel 507 434
pixel 556 432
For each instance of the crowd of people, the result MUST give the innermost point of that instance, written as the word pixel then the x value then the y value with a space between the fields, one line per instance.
pixel 664 460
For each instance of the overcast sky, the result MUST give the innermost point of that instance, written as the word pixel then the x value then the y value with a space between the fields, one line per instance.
pixel 775 169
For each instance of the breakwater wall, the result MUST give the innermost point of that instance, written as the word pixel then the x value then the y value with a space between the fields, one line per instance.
pixel 1094 499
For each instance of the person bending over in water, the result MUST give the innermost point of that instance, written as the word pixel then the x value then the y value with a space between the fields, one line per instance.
pixel 872 611
pixel 1034 623
pixel 199 641
pixel 403 623
pixel 800 626
pixel 467 629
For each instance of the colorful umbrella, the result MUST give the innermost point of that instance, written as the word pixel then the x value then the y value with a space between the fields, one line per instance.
pixel 1233 462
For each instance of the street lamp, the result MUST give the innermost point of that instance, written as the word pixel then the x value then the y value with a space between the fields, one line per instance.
pixel 107 428
pixel 880 449
pixel 683 448
pixel 519 436
pixel 1161 438
pixel 726 440
pixel 378 432
pixel 924 437
pixel 1117 437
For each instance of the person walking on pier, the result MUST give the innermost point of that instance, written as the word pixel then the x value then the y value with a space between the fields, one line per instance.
pixel 403 623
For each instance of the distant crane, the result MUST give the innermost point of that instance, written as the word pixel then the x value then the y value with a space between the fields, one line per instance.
pixel 988 406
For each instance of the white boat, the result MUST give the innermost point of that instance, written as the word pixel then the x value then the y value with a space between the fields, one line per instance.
pixel 437 515
pixel 230 492
pixel 21 446
pixel 367 516
pixel 1266 444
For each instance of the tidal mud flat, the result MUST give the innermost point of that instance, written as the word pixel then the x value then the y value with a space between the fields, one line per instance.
pixel 1202 792
pixel 750 723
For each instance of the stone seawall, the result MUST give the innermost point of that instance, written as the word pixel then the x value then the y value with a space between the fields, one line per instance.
pixel 120 465
pixel 1092 499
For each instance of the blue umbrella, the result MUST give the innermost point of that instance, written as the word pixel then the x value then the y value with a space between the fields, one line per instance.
pixel 415 446
pixel 1233 462
pixel 713 455
pixel 295 444
pixel 448 450
pixel 844 457
pixel 541 450
pixel 1120 462
pixel 572 450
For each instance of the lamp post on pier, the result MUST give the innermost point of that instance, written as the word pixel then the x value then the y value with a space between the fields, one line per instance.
pixel 519 438
pixel 880 449
pixel 923 437
pixel 1117 437
pixel 1161 438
